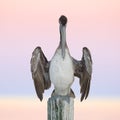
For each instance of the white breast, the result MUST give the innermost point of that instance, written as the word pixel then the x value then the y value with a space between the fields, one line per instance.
pixel 61 72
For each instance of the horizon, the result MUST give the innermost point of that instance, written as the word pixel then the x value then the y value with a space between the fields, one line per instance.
pixel 30 108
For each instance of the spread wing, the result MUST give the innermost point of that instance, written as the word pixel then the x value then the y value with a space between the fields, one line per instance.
pixel 83 70
pixel 40 69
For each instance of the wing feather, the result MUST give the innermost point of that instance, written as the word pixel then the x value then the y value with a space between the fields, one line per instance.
pixel 39 69
pixel 83 70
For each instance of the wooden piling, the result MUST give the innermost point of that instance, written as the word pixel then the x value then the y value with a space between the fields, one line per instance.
pixel 60 108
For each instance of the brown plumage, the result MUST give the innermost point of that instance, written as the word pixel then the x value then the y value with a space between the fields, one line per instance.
pixel 83 70
pixel 40 72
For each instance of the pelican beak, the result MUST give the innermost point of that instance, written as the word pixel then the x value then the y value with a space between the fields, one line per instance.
pixel 63 39
pixel 63 22
pixel 63 51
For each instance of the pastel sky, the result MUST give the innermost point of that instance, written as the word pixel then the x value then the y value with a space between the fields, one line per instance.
pixel 25 24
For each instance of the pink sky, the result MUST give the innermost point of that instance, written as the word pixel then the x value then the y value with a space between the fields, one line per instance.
pixel 25 24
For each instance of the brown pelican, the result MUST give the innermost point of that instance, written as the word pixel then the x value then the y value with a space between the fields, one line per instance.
pixel 62 68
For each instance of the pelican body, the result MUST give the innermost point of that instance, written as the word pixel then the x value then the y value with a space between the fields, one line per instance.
pixel 61 72
pixel 62 68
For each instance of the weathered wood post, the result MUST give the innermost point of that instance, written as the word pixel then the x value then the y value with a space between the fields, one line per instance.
pixel 60 108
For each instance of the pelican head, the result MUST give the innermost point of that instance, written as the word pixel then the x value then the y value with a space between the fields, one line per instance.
pixel 63 20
